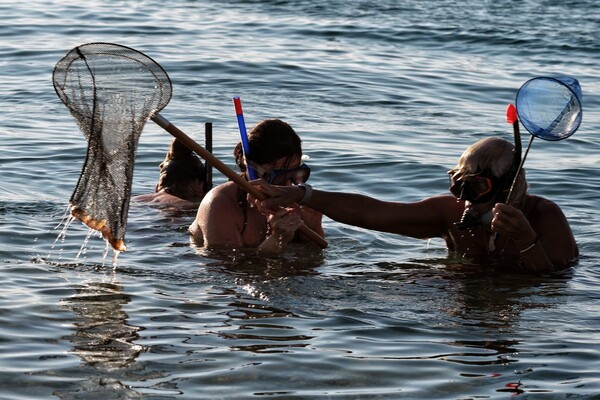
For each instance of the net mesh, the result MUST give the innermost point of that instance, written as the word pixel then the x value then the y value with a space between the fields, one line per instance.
pixel 111 91
pixel 550 108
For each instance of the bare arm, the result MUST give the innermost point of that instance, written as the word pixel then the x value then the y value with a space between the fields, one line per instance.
pixel 423 219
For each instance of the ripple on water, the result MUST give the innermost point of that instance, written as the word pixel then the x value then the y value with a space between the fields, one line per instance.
pixel 386 96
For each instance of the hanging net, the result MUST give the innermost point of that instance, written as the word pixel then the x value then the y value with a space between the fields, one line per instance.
pixel 111 91
pixel 550 108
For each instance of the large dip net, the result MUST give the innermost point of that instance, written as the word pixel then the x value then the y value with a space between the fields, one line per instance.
pixel 111 91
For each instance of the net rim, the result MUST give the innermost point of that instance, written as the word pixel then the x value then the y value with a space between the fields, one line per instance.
pixel 573 93
pixel 59 88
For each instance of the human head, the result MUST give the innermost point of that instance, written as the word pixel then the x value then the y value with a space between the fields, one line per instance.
pixel 492 158
pixel 182 173
pixel 269 141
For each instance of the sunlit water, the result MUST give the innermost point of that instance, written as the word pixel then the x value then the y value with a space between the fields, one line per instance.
pixel 386 95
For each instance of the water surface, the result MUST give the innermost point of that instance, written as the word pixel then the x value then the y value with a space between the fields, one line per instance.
pixel 385 95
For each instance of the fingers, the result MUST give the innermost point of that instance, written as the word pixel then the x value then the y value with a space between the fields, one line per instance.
pixel 263 186
pixel 285 222
pixel 276 196
pixel 510 221
pixel 267 191
pixel 503 218
pixel 286 215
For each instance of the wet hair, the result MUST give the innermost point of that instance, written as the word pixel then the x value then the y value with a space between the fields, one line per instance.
pixel 493 156
pixel 269 141
pixel 180 172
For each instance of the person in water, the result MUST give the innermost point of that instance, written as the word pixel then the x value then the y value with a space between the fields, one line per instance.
pixel 182 180
pixel 226 219
pixel 473 220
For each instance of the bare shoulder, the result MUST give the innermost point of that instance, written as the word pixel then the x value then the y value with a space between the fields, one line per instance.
pixel 553 230
pixel 218 217
pixel 220 196
pixel 218 207
pixel 149 197
pixel 540 207
pixel 165 199
pixel 442 200
pixel 213 207
pixel 446 206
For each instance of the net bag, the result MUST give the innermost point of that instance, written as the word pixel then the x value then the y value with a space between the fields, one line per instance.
pixel 111 91
pixel 550 108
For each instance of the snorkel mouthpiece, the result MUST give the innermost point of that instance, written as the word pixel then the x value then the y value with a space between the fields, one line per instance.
pixel 471 218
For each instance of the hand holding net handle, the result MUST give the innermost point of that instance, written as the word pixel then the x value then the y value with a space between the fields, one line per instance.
pixel 228 172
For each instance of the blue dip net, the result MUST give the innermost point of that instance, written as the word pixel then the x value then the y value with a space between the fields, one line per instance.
pixel 550 108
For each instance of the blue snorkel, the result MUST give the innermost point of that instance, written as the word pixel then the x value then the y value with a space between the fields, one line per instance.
pixel 237 103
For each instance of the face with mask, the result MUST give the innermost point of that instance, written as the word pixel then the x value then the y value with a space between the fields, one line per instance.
pixel 483 177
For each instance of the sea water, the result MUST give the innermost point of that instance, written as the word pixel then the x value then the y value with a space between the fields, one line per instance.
pixel 385 95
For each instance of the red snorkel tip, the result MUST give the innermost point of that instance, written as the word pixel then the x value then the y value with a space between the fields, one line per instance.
pixel 511 114
pixel 237 103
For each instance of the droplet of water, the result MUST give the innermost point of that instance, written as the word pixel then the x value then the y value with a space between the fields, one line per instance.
pixel 65 222
pixel 114 259
pixel 83 248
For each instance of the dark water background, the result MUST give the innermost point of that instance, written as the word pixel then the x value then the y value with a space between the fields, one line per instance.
pixel 386 95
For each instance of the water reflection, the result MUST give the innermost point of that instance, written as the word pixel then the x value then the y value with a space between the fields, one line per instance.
pixel 489 318
pixel 482 352
pixel 257 327
pixel 254 324
pixel 250 265
pixel 498 301
pixel 103 339
pixel 471 295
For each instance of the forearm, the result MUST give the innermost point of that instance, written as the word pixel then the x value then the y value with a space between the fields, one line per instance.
pixel 533 257
pixel 422 219
pixel 272 244
pixel 347 208
pixel 343 207
pixel 548 258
